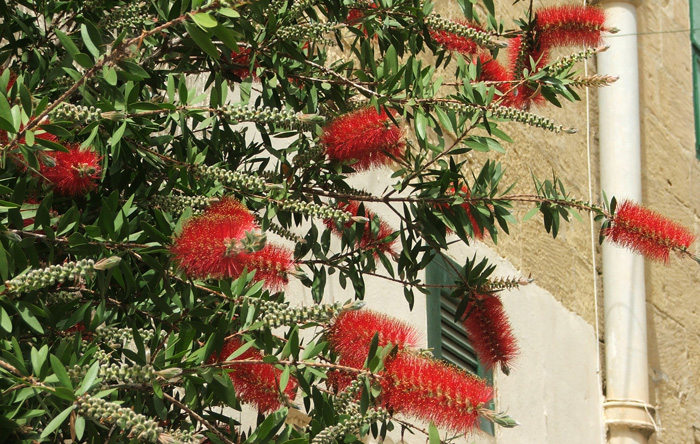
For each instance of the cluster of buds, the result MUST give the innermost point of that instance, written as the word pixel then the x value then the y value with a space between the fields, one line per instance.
pixel 122 373
pixel 135 425
pixel 568 61
pixel 267 115
pixel 75 113
pixel 114 335
pixel 594 81
pixel 235 179
pixel 309 31
pixel 304 157
pixel 54 274
pixel 336 433
pixel 481 38
pixel 504 283
pixel 281 231
pixel 133 15
pixel 300 6
pixel 277 314
pixel 345 401
pixel 78 371
pixel 517 115
pixel 316 210
pixel 61 297
pixel 178 204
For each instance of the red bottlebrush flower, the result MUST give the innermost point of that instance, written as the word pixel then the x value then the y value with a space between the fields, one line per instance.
pixel 647 232
pixel 74 172
pixel 493 71
pixel 365 137
pixel 368 240
pixel 271 264
pixel 358 13
pixel 241 59
pixel 454 42
pixel 257 384
pixel 217 244
pixel 520 54
pixel 490 333
pixel 352 332
pixel 478 234
pixel 569 25
pixel 434 391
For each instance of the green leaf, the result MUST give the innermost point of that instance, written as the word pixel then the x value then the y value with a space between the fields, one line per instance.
pixel 204 20
pixel 5 321
pixel 203 40
pixel 79 427
pixel 87 40
pixel 28 317
pixel 67 43
pixel 433 434
pixel 531 213
pixel 60 371
pixel 89 378
pixel 109 74
pixel 38 358
pixel 56 422
pixel 6 115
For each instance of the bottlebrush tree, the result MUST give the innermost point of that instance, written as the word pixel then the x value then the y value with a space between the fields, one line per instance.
pixel 148 240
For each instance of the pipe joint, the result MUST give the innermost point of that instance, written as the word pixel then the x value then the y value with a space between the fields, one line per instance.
pixel 630 414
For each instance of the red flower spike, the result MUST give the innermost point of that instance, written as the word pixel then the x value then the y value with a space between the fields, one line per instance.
pixel 271 264
pixel 355 15
pixel 569 25
pixel 368 240
pixel 352 332
pixel 75 172
pixel 493 71
pixel 434 391
pixel 478 234
pixel 210 245
pixel 647 232
pixel 365 137
pixel 257 384
pixel 490 333
pixel 454 42
pixel 241 58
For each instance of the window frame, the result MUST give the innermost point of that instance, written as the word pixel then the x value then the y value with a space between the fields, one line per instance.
pixel 695 54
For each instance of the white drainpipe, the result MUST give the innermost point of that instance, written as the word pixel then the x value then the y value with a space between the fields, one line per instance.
pixel 627 410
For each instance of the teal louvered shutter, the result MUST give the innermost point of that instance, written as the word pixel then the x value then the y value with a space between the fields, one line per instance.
pixel 447 338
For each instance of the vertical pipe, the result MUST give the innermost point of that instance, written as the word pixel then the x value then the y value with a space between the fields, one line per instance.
pixel 626 408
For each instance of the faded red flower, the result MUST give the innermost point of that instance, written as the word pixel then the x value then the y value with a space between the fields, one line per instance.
pixel 75 171
pixel 368 240
pixel 241 59
pixel 519 51
pixel 257 384
pixel 490 332
pixel 569 25
pixel 356 14
pixel 478 234
pixel 454 42
pixel 434 391
pixel 219 244
pixel 647 232
pixel 364 138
